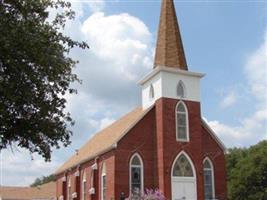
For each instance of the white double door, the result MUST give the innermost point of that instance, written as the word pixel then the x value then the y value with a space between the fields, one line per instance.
pixel 184 188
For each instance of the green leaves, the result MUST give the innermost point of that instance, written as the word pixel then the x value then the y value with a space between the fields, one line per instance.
pixel 247 173
pixel 35 73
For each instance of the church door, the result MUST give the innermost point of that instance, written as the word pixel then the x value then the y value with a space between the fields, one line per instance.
pixel 183 179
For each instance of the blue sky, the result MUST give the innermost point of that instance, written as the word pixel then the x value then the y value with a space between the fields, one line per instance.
pixel 226 40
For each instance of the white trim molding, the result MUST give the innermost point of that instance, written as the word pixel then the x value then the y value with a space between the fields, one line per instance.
pixel 94 166
pixel 77 174
pixel 74 195
pixel 92 190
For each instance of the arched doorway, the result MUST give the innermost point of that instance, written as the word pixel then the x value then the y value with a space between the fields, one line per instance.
pixel 183 178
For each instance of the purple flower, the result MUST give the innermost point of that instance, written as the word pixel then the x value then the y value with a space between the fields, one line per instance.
pixel 149 194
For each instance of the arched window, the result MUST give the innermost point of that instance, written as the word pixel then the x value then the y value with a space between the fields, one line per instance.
pixel 181 89
pixel 182 167
pixel 136 174
pixel 182 133
pixel 69 189
pixel 84 186
pixel 208 179
pixel 151 92
pixel 103 182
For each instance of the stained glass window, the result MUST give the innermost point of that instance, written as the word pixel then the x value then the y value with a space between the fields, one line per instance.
pixel 182 167
pixel 136 174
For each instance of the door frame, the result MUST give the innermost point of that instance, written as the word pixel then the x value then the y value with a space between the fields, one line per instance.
pixel 186 179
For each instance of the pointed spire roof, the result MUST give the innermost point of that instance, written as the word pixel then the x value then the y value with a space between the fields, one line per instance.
pixel 169 49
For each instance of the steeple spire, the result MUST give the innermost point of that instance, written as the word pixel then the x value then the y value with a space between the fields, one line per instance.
pixel 169 49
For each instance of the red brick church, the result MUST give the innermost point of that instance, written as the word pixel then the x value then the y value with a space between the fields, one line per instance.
pixel 162 144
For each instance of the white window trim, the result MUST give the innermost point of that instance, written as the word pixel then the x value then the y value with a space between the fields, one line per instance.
pixel 190 161
pixel 142 172
pixel 212 175
pixel 102 175
pixel 84 181
pixel 187 123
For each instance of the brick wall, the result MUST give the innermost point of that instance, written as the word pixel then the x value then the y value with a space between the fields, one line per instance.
pixel 215 153
pixel 169 148
pixel 154 139
pixel 140 139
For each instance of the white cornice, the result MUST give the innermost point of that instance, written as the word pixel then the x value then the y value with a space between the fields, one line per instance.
pixel 170 70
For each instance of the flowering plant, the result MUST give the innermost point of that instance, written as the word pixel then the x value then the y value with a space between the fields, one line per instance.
pixel 150 194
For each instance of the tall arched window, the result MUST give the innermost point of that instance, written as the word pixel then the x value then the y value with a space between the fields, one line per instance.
pixel 151 92
pixel 136 174
pixel 181 89
pixel 69 189
pixel 103 182
pixel 182 133
pixel 208 179
pixel 84 186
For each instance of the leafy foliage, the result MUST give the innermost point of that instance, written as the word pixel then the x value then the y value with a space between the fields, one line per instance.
pixel 35 74
pixel 43 180
pixel 247 172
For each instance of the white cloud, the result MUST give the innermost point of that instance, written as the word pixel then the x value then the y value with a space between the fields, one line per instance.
pixel 19 168
pixel 254 127
pixel 256 73
pixel 229 100
pixel 250 130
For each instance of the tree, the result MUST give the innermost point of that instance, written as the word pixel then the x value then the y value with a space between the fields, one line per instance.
pixel 43 180
pixel 247 172
pixel 35 74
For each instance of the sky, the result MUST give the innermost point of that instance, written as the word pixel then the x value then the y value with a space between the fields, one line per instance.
pixel 226 40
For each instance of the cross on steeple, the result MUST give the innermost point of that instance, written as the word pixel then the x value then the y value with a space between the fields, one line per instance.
pixel 169 49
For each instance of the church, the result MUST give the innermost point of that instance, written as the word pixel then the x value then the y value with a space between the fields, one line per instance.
pixel 164 143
